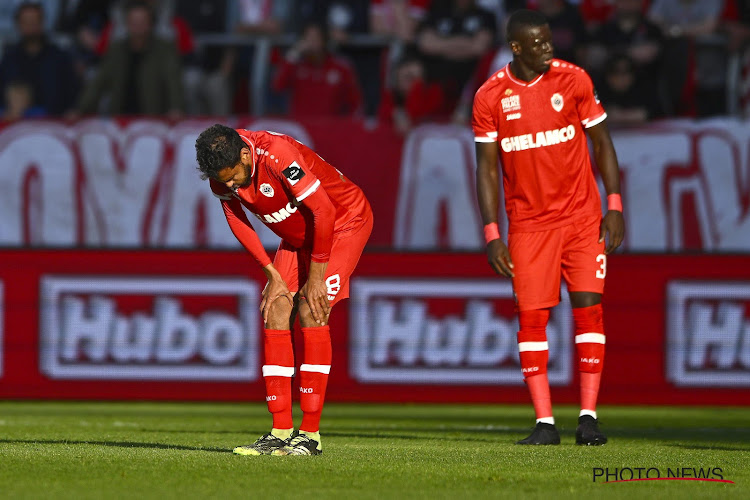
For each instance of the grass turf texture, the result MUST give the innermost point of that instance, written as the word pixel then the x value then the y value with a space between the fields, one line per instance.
pixel 167 450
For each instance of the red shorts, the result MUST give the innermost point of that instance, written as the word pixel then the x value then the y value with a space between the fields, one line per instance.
pixel 293 263
pixel 541 257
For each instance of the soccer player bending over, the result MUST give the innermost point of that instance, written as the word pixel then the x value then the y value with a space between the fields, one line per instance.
pixel 535 112
pixel 324 221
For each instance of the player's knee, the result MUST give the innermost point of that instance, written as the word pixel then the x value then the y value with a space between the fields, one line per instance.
pixel 278 314
pixel 306 318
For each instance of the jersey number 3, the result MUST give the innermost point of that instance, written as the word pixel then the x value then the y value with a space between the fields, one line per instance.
pixel 602 271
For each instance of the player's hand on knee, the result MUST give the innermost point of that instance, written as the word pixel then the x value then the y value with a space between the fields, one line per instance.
pixel 316 295
pixel 613 225
pixel 498 256
pixel 275 288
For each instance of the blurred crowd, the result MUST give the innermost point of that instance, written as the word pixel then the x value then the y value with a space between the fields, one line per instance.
pixel 399 61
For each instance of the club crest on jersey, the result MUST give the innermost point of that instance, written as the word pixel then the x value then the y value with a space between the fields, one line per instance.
pixel 557 102
pixel 266 189
pixel 293 173
pixel 511 103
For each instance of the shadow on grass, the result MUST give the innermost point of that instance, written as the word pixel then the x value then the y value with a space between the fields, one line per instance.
pixel 116 444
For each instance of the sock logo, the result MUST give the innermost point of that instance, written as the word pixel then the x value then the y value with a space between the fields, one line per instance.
pixel 271 398
pixel 306 390
pixel 531 369
pixel 590 360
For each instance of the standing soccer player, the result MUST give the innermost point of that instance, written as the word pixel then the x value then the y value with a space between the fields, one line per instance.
pixel 535 111
pixel 324 221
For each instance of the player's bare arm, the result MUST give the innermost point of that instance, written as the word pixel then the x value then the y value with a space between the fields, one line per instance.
pixel 488 186
pixel 613 224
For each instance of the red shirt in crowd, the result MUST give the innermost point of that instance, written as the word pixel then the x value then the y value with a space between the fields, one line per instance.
pixel 424 101
pixel 327 89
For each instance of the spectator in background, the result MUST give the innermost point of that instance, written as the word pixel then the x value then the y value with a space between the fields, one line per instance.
pixel 694 71
pixel 736 23
pixel 344 19
pixel 8 9
pixel 628 31
pixel 410 100
pixel 139 74
pixel 397 19
pixel 17 103
pixel 84 21
pixel 569 34
pixel 258 18
pixel 596 12
pixel 319 83
pixel 38 62
pixel 627 97
pixel 452 39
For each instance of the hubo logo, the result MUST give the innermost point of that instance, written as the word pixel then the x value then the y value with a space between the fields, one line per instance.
pixel 708 334
pixel 445 331
pixel 149 328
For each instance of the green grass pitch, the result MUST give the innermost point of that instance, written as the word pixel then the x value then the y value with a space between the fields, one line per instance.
pixel 176 450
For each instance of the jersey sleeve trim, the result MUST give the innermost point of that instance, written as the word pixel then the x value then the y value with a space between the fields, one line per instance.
pixel 309 190
pixel 588 123
pixel 490 137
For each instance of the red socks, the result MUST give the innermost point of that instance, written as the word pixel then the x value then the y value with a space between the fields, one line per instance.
pixel 314 375
pixel 590 350
pixel 277 372
pixel 534 352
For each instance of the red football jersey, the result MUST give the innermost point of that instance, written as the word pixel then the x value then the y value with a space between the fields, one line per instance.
pixel 285 174
pixel 539 127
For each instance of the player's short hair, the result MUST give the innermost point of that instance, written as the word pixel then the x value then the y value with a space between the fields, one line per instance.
pixel 521 19
pixel 217 148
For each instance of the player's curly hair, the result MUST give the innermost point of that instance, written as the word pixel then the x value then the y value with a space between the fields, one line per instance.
pixel 217 148
pixel 523 18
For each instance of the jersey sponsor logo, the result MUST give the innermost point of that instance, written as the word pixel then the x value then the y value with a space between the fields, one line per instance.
pixel 708 333
pixel 557 102
pixel 293 173
pixel 511 103
pixel 446 331
pixel 279 216
pixel 149 328
pixel 512 116
pixel 266 190
pixel 538 140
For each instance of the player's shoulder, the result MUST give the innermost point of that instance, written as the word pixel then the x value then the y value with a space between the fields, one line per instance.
pixel 564 69
pixel 495 85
